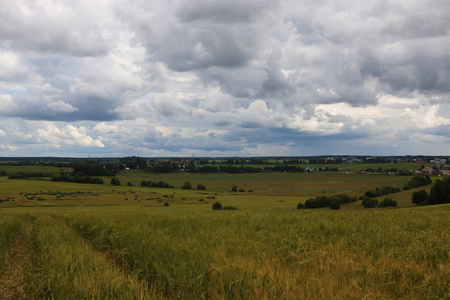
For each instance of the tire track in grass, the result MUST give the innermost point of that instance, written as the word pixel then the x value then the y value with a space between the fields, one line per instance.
pixel 74 270
pixel 18 263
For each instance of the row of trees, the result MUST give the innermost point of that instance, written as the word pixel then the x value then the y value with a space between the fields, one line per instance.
pixel 334 202
pixel 439 194
pixel 160 184
pixel 417 181
pixel 368 202
pixel 188 186
pixel 78 179
pixel 386 190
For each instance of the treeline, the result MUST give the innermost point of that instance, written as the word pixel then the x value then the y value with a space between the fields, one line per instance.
pixel 160 184
pixel 324 201
pixel 247 169
pixel 93 168
pixel 78 179
pixel 29 175
pixel 439 194
pixel 368 202
pixel 417 181
pixel 386 190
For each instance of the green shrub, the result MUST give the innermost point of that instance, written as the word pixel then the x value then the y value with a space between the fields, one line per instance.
pixel 186 186
pixel 217 206
pixel 417 181
pixel 370 203
pixel 115 181
pixel 420 197
pixel 201 187
pixel 300 205
pixel 388 202
pixel 335 205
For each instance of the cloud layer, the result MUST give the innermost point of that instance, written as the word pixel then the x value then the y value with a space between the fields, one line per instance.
pixel 218 78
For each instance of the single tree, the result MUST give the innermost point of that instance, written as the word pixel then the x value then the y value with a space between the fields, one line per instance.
pixel 420 197
pixel 217 206
pixel 186 186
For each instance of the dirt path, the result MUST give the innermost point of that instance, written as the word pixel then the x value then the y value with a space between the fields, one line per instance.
pixel 16 266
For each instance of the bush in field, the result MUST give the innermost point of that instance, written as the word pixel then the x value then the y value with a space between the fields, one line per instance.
pixel 335 205
pixel 417 181
pixel 420 197
pixel 369 202
pixel 78 179
pixel 115 181
pixel 129 184
pixel 166 204
pixel 28 175
pixel 386 190
pixel 388 202
pixel 186 186
pixel 201 187
pixel 324 201
pixel 234 189
pixel 217 206
pixel 160 184
pixel 300 205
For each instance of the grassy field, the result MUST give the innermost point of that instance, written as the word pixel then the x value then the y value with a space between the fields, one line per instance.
pixel 280 189
pixel 79 241
pixel 170 253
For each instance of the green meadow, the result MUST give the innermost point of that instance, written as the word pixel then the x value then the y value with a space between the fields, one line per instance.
pixel 80 241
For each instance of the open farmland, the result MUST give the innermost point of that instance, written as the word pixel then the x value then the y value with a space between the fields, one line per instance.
pixel 269 189
pixel 169 253
pixel 72 241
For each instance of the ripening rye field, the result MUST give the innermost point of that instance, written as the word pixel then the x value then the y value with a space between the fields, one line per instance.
pixel 170 253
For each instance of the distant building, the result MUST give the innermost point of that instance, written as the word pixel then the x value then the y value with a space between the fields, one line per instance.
pixel 439 161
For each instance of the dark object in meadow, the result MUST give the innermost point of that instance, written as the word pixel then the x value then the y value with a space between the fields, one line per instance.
pixel 369 202
pixel 420 197
pixel 417 181
pixel 335 205
pixel 439 193
pixel 217 206
pixel 324 201
pixel 388 202
pixel 300 205
pixel 187 186
pixel 166 204
pixel 201 187
pixel 115 181
pixel 161 184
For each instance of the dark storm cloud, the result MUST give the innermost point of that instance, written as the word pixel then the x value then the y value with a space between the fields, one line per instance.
pixel 223 11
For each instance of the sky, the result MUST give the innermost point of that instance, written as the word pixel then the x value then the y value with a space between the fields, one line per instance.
pixel 116 78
